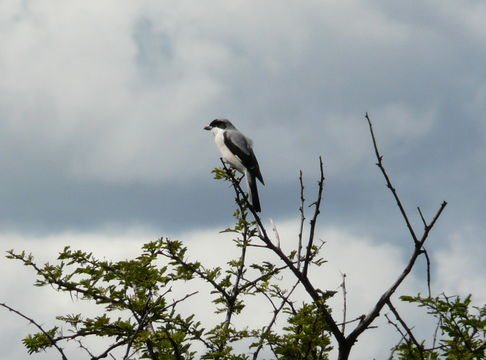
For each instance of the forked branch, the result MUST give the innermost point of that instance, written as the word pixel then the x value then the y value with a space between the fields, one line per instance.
pixel 418 248
pixel 345 343
pixel 309 287
pixel 32 321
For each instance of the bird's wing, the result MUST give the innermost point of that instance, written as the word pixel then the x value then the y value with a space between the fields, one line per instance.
pixel 241 147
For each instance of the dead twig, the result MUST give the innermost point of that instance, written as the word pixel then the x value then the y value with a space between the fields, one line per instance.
pixel 302 219
pixel 313 221
pixel 343 286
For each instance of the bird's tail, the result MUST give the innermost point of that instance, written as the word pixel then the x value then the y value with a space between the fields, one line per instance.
pixel 253 192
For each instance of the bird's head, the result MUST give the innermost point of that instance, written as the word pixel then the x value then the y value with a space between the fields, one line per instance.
pixel 222 124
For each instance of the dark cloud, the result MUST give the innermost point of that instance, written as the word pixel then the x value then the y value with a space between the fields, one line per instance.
pixel 101 121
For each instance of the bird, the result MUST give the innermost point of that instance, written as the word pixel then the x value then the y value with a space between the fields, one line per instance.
pixel 237 151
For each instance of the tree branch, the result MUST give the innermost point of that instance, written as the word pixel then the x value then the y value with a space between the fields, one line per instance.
pixel 427 259
pixel 407 329
pixel 379 157
pixel 32 321
pixel 276 311
pixel 107 351
pixel 313 293
pixel 343 286
pixel 313 221
pixel 302 219
pixel 417 249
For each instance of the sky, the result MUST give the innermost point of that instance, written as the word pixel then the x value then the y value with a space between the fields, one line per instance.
pixel 102 147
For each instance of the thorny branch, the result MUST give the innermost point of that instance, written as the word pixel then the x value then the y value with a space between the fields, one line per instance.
pixel 345 343
pixel 313 221
pixel 299 267
pixel 276 312
pixel 419 243
pixel 32 321
pixel 83 347
pixel 407 329
pixel 397 328
pixel 311 290
pixel 390 186
pixel 302 219
pixel 240 271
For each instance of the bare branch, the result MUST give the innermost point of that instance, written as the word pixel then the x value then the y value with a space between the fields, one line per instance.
pixel 241 267
pixel 387 294
pixel 313 221
pixel 359 318
pixel 107 351
pixel 175 302
pixel 313 293
pixel 81 345
pixel 379 157
pixel 343 286
pixel 434 340
pixel 276 312
pixel 426 254
pixel 422 216
pixel 32 321
pixel 407 329
pixel 419 243
pixel 302 219
pixel 397 328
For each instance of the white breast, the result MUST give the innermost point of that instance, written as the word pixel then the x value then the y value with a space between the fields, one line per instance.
pixel 228 156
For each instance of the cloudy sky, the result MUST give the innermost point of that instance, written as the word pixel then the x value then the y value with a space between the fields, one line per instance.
pixel 102 105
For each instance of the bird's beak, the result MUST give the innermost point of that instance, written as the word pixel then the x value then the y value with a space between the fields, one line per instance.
pixel 207 127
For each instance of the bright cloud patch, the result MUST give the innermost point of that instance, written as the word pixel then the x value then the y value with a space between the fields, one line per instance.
pixel 371 267
pixel 125 100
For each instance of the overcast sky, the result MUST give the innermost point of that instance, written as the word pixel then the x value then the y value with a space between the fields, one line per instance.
pixel 103 104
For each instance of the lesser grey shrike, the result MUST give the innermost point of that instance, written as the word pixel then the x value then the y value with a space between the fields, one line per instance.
pixel 237 151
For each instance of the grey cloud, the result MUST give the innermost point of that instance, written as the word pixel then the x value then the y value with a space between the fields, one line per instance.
pixel 101 120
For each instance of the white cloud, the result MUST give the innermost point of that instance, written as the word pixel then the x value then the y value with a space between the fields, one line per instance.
pixel 119 92
pixel 459 265
pixel 78 89
pixel 370 267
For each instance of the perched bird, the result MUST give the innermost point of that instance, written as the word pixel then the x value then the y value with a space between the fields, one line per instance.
pixel 237 151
